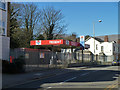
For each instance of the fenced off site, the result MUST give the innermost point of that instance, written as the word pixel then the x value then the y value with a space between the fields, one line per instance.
pixel 36 59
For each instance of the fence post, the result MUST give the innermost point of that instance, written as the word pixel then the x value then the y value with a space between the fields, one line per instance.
pixel 82 56
pixel 38 59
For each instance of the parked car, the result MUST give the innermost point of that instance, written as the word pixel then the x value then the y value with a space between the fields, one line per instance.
pixel 116 62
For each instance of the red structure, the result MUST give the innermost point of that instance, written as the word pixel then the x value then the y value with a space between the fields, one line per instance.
pixel 30 49
pixel 57 42
pixel 54 42
pixel 11 59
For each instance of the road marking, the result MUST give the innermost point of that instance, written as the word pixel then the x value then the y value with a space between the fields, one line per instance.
pixel 49 87
pixel 68 80
pixel 114 85
pixel 38 74
pixel 111 86
pixel 84 74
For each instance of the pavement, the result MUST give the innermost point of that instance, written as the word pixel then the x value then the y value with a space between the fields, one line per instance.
pixel 10 80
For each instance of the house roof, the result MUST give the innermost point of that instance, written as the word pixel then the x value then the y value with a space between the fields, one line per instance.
pixel 111 38
pixel 98 39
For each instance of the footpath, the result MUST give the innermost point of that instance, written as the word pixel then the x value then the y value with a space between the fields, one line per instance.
pixel 10 80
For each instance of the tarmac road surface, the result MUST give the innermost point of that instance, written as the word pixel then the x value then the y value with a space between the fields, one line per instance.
pixel 101 77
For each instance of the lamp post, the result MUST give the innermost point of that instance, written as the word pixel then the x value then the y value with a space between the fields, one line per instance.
pixel 94 33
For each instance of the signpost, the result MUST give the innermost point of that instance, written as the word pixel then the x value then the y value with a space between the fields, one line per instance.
pixel 82 42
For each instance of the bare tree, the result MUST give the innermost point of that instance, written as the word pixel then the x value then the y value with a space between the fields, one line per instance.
pixel 24 22
pixel 28 18
pixel 52 23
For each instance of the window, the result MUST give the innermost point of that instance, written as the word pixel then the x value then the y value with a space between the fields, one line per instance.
pixel 3 31
pixel 0 23
pixel 96 46
pixel 2 28
pixel 118 49
pixel 3 24
pixel 2 5
pixel 69 51
pixel 113 48
pixel 102 48
pixel 65 50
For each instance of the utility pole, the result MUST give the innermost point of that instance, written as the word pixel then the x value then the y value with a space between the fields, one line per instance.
pixel 94 34
pixel 8 19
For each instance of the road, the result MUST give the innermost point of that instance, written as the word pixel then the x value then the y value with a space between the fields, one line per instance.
pixel 102 77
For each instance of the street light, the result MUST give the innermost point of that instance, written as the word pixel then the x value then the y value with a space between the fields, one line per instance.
pixel 94 33
pixel 100 20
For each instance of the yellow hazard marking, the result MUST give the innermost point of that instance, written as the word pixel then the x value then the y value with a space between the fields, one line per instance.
pixel 111 86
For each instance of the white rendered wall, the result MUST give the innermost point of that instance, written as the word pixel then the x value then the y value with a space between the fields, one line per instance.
pixel 91 43
pixel 4 48
pixel 108 47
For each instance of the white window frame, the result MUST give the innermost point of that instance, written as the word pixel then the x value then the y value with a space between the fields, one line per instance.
pixel 102 48
pixel 96 46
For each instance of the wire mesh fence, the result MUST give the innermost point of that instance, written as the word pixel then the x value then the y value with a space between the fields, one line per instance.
pixel 45 59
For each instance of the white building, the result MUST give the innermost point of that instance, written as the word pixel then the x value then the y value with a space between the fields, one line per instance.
pixel 67 50
pixel 4 40
pixel 98 46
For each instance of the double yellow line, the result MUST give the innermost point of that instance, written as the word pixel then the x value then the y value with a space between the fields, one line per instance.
pixel 111 86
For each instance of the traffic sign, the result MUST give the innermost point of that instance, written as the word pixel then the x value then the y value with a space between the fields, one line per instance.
pixel 82 41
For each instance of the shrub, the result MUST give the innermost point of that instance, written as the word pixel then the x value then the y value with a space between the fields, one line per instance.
pixel 19 62
pixel 5 65
pixel 15 67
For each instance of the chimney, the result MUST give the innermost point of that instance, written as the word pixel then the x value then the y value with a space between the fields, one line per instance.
pixel 73 37
pixel 118 41
pixel 78 39
pixel 106 39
